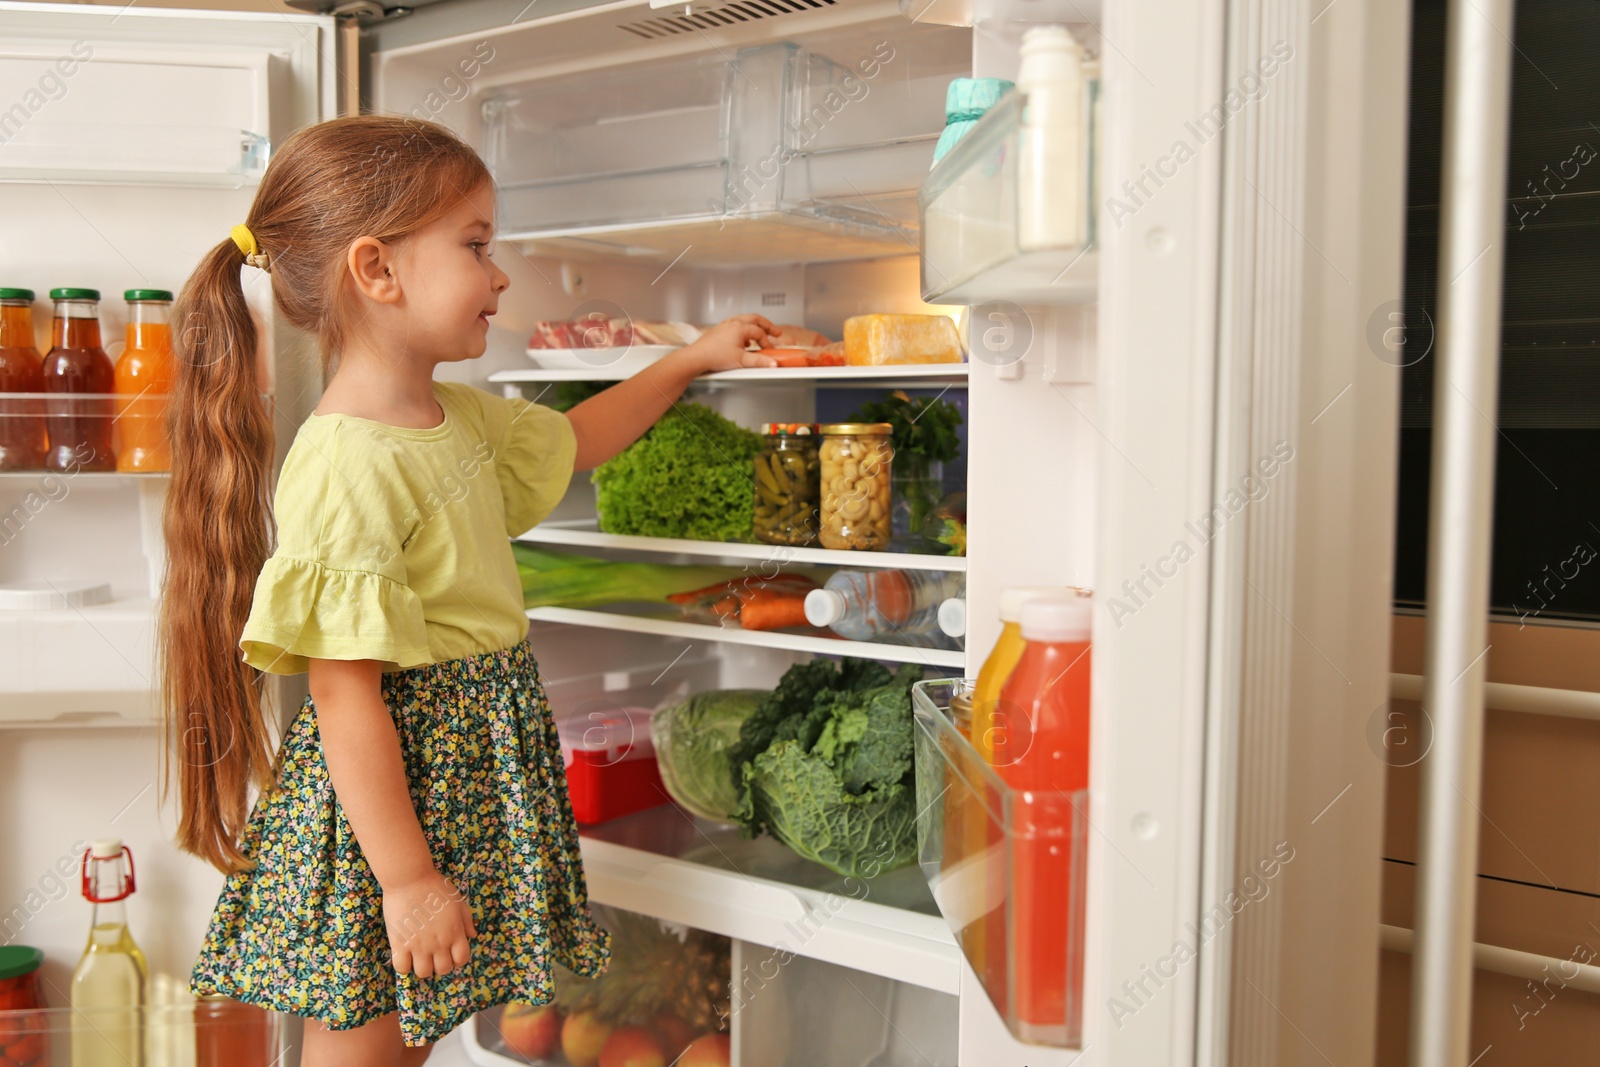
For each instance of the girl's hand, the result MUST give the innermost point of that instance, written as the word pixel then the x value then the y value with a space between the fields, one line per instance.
pixel 723 346
pixel 429 925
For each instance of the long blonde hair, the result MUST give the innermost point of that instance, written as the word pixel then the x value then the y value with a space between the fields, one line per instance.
pixel 373 175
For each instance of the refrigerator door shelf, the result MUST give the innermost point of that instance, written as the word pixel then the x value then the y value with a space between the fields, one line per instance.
pixel 79 666
pixel 974 225
pixel 127 154
pixel 779 639
pixel 585 534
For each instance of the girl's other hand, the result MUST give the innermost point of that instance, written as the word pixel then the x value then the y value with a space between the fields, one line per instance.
pixel 430 926
pixel 723 346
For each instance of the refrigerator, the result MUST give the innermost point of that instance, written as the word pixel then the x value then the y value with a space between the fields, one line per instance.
pixel 1182 409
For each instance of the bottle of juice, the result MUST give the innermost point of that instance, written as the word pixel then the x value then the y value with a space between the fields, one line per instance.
pixel 79 429
pixel 108 986
pixel 22 438
pixel 1041 750
pixel 143 379
pixel 1003 658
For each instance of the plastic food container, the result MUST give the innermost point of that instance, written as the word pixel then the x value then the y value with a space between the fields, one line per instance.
pixel 610 761
pixel 856 464
pixel 788 485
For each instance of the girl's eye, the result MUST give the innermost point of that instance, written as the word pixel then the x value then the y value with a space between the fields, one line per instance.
pixel 482 248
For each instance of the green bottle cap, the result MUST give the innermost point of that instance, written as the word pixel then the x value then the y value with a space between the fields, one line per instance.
pixel 17 294
pixel 134 295
pixel 74 294
pixel 18 960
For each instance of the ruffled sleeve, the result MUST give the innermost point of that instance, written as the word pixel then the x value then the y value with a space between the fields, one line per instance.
pixel 534 452
pixel 336 586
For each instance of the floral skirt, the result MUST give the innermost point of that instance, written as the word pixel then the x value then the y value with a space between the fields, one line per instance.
pixel 303 932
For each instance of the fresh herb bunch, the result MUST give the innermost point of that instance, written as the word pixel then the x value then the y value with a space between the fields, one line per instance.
pixel 923 427
pixel 564 396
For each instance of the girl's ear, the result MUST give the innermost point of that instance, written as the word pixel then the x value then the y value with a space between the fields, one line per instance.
pixel 371 263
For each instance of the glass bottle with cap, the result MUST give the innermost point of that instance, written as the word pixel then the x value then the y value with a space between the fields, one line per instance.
pixel 1041 751
pixel 143 380
pixel 22 437
pixel 79 428
pixel 108 986
pixel 787 506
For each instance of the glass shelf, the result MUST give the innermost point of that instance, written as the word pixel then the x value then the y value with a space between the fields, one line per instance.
pixel 586 534
pixel 617 618
pixel 975 231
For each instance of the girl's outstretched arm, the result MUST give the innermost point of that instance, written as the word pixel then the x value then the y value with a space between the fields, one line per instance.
pixel 607 423
pixel 428 920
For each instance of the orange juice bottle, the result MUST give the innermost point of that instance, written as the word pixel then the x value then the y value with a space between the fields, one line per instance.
pixel 22 438
pixel 1041 750
pixel 143 379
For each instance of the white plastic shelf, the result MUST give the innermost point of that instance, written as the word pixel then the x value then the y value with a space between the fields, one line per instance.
pixel 585 533
pixel 914 376
pixel 88 666
pixel 826 646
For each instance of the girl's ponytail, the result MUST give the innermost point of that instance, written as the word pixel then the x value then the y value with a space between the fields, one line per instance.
pixel 217 525
pixel 369 175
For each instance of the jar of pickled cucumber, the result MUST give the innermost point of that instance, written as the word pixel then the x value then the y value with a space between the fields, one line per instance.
pixel 856 459
pixel 788 485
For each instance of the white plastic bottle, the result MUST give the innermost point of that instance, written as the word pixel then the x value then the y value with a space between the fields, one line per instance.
pixel 893 606
pixel 1052 178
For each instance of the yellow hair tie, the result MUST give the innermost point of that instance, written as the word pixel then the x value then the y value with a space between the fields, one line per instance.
pixel 244 239
pixel 246 242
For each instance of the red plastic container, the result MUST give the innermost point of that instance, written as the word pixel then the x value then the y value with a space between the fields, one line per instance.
pixel 610 761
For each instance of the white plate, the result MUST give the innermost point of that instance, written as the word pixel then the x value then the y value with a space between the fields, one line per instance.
pixel 629 359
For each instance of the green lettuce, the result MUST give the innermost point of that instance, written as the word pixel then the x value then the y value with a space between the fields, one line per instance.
pixel 689 476
pixel 831 770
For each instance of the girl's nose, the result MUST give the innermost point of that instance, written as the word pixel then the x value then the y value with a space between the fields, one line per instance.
pixel 502 280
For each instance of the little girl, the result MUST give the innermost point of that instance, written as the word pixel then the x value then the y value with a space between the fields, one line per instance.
pixel 412 856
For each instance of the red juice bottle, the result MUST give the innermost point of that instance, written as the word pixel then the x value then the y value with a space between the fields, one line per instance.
pixel 80 429
pixel 22 439
pixel 1041 750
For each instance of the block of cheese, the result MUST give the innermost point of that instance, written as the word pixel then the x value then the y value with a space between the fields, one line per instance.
pixel 871 340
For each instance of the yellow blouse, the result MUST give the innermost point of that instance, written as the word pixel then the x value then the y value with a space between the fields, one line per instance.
pixel 393 542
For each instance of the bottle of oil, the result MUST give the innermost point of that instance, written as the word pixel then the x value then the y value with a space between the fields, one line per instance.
pixel 108 986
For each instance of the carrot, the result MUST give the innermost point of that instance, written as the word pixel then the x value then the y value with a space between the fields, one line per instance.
pixel 788 357
pixel 773 612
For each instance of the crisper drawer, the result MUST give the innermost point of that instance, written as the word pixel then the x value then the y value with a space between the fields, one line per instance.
pixel 664 998
pixel 676 995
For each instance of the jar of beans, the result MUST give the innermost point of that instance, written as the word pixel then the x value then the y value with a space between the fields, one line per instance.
pixel 856 458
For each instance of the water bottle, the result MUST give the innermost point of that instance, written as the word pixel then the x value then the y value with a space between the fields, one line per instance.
pixel 895 606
